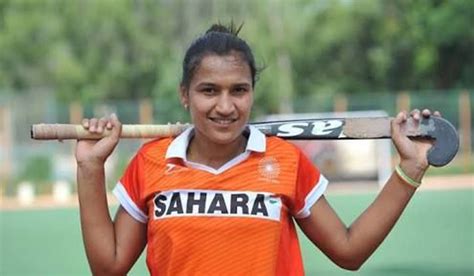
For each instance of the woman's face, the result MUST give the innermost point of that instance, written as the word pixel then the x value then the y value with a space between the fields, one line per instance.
pixel 219 97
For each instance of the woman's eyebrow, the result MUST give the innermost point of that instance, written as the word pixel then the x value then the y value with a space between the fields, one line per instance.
pixel 242 84
pixel 206 84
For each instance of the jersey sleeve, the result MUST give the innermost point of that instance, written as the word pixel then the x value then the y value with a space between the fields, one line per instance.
pixel 129 189
pixel 310 186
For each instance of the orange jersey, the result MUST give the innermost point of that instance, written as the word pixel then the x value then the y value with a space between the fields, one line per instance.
pixel 236 220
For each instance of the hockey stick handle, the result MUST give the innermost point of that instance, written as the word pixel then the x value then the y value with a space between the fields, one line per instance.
pixel 78 132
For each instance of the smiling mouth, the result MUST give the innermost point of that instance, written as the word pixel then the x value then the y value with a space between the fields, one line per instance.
pixel 223 122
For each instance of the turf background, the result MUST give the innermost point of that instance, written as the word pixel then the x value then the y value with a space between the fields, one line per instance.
pixel 435 236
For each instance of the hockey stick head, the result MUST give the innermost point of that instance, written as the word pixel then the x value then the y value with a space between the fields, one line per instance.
pixel 446 140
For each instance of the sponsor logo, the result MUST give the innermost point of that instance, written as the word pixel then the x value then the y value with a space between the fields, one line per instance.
pixel 269 169
pixel 181 203
pixel 307 129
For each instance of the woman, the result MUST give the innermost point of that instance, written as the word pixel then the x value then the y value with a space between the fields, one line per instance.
pixel 220 197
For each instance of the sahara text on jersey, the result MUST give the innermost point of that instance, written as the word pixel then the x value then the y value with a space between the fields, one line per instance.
pixel 176 203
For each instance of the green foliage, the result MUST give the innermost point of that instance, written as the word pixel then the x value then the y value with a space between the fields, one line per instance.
pixel 113 50
pixel 387 45
pixel 37 168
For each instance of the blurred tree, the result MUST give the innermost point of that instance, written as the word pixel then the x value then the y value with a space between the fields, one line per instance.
pixel 123 49
pixel 386 45
pixel 27 30
pixel 108 57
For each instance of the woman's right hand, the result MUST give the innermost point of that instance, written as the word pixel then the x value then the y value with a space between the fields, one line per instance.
pixel 96 152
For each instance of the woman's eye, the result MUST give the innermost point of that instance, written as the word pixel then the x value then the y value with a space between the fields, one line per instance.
pixel 208 90
pixel 240 90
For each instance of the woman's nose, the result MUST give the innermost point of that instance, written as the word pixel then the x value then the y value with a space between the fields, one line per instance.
pixel 225 104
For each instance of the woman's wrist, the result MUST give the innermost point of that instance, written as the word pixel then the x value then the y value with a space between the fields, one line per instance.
pixel 411 172
pixel 405 178
pixel 93 164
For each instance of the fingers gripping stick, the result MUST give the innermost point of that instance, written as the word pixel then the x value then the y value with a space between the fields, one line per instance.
pixel 446 140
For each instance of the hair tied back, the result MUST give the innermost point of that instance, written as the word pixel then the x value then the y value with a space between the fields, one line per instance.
pixel 231 29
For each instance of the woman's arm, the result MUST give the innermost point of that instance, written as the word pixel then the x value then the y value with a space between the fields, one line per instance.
pixel 351 247
pixel 112 247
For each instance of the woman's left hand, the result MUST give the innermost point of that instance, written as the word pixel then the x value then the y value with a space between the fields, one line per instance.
pixel 413 152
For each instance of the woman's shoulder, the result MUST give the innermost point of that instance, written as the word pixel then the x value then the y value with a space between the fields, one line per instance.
pixel 279 145
pixel 155 147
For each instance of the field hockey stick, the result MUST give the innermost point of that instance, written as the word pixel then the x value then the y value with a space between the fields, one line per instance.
pixel 442 132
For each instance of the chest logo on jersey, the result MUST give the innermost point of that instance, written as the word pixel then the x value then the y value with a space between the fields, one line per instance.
pixel 180 203
pixel 269 169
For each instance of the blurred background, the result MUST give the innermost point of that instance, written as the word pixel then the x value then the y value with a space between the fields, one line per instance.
pixel 64 60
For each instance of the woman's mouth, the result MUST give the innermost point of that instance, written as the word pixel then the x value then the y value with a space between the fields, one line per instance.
pixel 223 121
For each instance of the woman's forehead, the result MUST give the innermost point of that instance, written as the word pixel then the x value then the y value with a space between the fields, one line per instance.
pixel 232 60
pixel 217 67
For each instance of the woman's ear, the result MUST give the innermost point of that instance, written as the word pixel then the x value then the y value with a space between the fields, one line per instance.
pixel 184 96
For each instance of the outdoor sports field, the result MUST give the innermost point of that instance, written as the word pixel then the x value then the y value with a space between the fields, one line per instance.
pixel 434 237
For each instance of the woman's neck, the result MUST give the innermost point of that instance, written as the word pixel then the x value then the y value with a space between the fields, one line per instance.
pixel 203 151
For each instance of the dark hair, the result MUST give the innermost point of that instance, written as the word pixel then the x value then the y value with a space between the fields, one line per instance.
pixel 219 40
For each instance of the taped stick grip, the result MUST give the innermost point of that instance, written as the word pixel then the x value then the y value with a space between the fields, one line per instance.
pixel 76 132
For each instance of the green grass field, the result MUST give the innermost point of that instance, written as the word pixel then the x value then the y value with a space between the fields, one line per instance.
pixel 435 236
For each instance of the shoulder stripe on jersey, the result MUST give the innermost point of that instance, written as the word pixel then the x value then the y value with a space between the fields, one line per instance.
pixel 312 197
pixel 128 204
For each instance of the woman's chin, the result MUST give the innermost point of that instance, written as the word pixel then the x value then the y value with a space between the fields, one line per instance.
pixel 223 137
